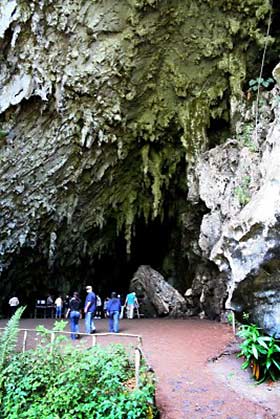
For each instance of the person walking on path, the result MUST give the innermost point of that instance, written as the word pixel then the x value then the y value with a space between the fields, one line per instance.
pixel 90 308
pixel 75 315
pixel 98 307
pixel 113 312
pixel 131 302
pixel 66 304
pixel 58 307
pixel 105 306
pixel 13 303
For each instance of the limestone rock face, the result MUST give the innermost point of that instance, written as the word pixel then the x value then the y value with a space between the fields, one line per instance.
pixel 259 296
pixel 105 108
pixel 157 296
pixel 241 187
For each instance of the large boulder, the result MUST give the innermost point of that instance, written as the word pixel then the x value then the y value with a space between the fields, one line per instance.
pixel 156 295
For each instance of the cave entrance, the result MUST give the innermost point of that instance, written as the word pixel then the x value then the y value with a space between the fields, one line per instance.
pixel 30 278
pixel 150 245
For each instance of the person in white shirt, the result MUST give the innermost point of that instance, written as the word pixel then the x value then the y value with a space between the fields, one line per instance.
pixel 13 303
pixel 58 307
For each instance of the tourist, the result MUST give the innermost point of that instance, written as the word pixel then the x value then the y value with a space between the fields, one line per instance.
pixel 113 313
pixel 75 314
pixel 131 302
pixel 122 307
pixel 58 307
pixel 13 303
pixel 98 307
pixel 89 309
pixel 66 304
pixel 49 300
pixel 50 308
pixel 105 306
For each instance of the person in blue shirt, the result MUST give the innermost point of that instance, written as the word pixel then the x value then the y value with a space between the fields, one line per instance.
pixel 131 302
pixel 89 309
pixel 74 310
pixel 113 313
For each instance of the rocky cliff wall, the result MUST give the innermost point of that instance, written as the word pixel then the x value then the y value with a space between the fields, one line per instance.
pixel 239 182
pixel 105 109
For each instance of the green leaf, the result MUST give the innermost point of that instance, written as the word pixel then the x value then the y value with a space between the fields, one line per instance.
pixel 268 364
pixel 245 364
pixel 255 351
pixel 252 82
pixel 276 364
pixel 261 340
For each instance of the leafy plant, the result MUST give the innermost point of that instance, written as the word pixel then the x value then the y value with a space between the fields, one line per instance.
pixel 260 81
pixel 242 191
pixel 261 353
pixel 229 318
pixel 8 338
pixel 45 334
pixel 66 383
pixel 246 137
pixel 245 316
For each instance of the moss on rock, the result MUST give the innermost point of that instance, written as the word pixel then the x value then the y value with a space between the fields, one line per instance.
pixel 120 94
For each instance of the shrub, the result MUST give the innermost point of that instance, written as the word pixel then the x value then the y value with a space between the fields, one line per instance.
pixel 68 383
pixel 261 353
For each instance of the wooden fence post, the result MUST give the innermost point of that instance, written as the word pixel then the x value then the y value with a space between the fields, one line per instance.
pixel 24 341
pixel 94 340
pixel 52 341
pixel 137 366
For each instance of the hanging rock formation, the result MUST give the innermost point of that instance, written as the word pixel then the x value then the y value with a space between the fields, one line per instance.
pixel 114 114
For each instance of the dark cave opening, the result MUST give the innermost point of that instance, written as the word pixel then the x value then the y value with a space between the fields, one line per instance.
pixel 217 132
pixel 149 246
pixel 30 277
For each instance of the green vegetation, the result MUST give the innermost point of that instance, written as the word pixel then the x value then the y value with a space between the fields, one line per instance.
pixel 8 339
pixel 245 138
pixel 3 134
pixel 261 353
pixel 229 318
pixel 56 381
pixel 242 191
pixel 254 84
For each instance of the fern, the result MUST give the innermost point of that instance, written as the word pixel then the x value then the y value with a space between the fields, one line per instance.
pixel 8 339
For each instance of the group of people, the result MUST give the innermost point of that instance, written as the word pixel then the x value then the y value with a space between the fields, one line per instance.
pixel 113 311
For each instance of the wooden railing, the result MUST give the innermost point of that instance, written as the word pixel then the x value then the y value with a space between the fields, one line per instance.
pixel 138 355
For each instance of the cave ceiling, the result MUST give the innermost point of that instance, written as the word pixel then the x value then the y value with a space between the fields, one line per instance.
pixel 105 107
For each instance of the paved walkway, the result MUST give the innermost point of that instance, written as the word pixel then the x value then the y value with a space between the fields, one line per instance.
pixel 178 351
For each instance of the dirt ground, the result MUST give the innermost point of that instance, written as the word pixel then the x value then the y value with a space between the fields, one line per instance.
pixel 189 383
